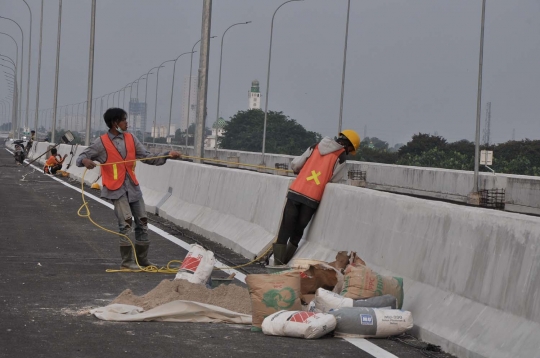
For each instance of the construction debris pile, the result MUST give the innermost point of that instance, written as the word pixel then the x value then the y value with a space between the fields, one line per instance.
pixel 312 299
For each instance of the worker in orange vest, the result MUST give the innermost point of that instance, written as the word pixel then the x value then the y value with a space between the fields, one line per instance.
pixel 54 163
pixel 320 164
pixel 118 149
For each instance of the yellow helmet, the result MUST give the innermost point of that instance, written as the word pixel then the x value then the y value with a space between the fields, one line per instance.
pixel 353 137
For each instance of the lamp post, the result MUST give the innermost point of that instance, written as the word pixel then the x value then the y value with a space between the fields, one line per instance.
pixel 138 79
pixel 155 106
pixel 29 58
pixel 479 101
pixel 108 99
pixel 268 79
pixel 344 64
pixel 15 98
pixel 145 97
pixel 219 81
pixel 189 89
pixel 172 92
pixel 36 120
pixel 53 124
pixel 20 69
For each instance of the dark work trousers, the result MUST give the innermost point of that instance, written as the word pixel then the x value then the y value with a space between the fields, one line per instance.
pixel 296 217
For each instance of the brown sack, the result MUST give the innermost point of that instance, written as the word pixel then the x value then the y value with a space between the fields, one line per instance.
pixel 342 260
pixel 273 293
pixel 318 276
pixel 360 282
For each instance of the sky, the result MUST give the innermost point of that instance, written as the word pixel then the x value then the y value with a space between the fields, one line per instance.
pixel 412 65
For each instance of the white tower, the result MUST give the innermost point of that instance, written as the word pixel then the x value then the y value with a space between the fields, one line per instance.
pixel 254 96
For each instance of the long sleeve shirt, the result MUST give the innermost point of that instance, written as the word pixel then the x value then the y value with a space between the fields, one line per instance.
pixel 96 152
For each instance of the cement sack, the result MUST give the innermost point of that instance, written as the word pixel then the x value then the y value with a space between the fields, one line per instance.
pixel 320 275
pixel 197 265
pixel 360 282
pixel 298 324
pixel 273 293
pixel 325 301
pixel 371 322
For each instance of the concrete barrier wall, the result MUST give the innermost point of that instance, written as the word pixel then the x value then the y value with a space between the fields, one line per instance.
pixel 522 193
pixel 155 183
pixel 239 209
pixel 471 275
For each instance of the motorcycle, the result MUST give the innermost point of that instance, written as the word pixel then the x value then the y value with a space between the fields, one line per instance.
pixel 20 152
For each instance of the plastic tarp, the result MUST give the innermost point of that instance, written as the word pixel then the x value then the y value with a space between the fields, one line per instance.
pixel 175 311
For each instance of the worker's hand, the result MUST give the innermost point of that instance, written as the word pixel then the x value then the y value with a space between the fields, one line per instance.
pixel 88 163
pixel 65 156
pixel 174 154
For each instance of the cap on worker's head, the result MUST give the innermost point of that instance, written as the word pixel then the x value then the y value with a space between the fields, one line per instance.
pixel 353 137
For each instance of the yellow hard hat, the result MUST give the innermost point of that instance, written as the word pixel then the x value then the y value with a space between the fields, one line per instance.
pixel 95 186
pixel 353 137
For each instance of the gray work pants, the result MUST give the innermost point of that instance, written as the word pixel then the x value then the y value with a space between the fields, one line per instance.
pixel 128 213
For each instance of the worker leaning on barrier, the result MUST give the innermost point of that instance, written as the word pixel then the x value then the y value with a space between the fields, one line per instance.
pixel 119 183
pixel 321 163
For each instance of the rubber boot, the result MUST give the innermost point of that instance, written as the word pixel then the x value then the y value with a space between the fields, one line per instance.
pixel 289 252
pixel 127 258
pixel 142 255
pixel 279 254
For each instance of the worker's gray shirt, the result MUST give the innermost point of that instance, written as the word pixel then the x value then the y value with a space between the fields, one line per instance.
pixel 97 152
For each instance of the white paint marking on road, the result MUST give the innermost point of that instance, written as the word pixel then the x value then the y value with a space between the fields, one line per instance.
pixel 360 343
pixel 369 347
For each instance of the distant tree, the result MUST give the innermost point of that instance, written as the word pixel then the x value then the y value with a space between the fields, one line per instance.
pixel 284 135
pixel 422 143
pixel 180 135
pixel 368 154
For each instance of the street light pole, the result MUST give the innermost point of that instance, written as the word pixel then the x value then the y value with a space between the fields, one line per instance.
pixel 344 65
pixel 155 106
pixel 39 68
pixel 479 100
pixel 172 92
pixel 29 58
pixel 53 124
pixel 145 97
pixel 219 81
pixel 90 74
pixel 20 70
pixel 17 94
pixel 268 79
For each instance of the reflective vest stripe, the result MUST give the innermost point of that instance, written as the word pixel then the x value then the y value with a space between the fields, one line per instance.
pixel 115 171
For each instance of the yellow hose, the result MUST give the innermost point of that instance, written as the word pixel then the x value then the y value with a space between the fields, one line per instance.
pixel 152 269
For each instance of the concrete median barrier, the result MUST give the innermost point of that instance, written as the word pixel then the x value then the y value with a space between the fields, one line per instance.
pixel 471 275
pixel 239 209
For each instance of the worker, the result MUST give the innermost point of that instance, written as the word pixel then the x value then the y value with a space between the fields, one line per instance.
pixel 120 184
pixel 54 163
pixel 321 163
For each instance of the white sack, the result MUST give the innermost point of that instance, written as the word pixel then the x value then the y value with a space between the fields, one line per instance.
pixel 197 265
pixel 298 324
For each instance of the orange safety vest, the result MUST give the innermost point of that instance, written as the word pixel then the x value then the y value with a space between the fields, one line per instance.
pixel 114 175
pixel 315 174
pixel 52 161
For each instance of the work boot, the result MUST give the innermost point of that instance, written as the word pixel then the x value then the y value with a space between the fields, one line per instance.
pixel 142 255
pixel 289 252
pixel 127 258
pixel 279 254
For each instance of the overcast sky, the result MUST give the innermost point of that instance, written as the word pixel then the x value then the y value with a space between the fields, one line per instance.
pixel 412 65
